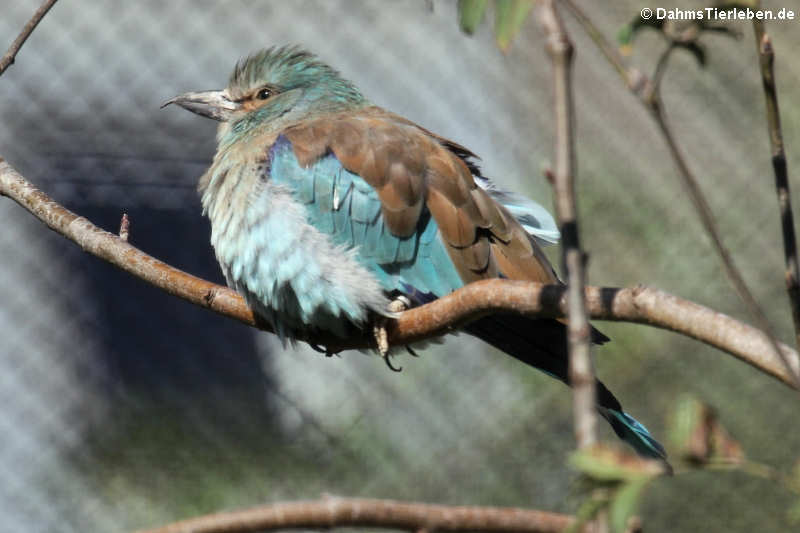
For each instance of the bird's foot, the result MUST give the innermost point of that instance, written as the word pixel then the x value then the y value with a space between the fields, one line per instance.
pixel 398 305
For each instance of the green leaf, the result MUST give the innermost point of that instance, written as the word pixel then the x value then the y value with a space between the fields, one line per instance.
pixel 604 464
pixel 625 502
pixel 597 467
pixel 470 14
pixel 625 34
pixel 794 477
pixel 587 511
pixel 794 514
pixel 509 16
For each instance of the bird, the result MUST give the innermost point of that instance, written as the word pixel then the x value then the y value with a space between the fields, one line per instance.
pixel 330 214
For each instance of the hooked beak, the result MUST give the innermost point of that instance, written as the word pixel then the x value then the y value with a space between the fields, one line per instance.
pixel 211 104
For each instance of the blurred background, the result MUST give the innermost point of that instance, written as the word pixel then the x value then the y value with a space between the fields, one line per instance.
pixel 122 407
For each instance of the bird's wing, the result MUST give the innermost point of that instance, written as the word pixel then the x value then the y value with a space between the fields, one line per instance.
pixel 411 194
pixel 408 201
pixel 343 205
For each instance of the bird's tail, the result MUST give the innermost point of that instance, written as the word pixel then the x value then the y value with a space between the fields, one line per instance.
pixel 626 427
pixel 542 344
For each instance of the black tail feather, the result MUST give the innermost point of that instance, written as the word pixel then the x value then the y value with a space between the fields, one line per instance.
pixel 542 344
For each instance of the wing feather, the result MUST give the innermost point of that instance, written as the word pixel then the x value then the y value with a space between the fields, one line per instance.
pixel 412 173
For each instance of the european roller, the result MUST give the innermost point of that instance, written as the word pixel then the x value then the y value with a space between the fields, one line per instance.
pixel 326 211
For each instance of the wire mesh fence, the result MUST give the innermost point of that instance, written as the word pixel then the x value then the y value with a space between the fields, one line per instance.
pixel 123 407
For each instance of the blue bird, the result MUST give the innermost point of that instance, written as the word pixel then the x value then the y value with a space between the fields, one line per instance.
pixel 326 211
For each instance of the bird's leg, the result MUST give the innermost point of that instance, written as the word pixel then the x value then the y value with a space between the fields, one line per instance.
pixel 398 305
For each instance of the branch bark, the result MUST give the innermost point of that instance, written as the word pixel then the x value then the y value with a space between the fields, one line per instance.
pixel 638 305
pixel 648 93
pixel 8 58
pixel 360 512
pixel 766 57
pixel 581 372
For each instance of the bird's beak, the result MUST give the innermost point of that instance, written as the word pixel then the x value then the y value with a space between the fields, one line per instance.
pixel 211 104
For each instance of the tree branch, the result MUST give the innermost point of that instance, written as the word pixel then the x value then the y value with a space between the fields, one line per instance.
pixel 361 512
pixel 766 57
pixel 639 305
pixel 581 372
pixel 648 93
pixel 8 59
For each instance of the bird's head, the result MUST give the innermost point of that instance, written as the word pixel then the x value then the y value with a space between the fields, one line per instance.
pixel 275 87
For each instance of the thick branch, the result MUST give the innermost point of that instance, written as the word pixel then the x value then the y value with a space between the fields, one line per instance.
pixel 357 512
pixel 445 315
pixel 118 252
pixel 581 373
pixel 766 56
pixel 8 58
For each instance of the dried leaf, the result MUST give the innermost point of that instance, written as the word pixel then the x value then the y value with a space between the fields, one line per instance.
pixel 699 436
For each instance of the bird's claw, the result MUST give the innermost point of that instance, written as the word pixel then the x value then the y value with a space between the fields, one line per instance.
pixel 398 305
pixel 382 343
pixel 393 368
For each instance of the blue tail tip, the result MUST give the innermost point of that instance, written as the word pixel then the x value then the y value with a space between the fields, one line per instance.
pixel 635 433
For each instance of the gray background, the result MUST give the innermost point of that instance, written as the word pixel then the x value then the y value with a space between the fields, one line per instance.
pixel 122 407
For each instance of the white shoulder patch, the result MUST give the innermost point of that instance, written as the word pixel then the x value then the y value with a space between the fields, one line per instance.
pixel 536 220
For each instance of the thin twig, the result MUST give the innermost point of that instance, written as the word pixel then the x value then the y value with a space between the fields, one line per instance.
pixel 8 59
pixel 638 305
pixel 766 56
pixel 649 95
pixel 633 78
pixel 581 372
pixel 124 227
pixel 361 512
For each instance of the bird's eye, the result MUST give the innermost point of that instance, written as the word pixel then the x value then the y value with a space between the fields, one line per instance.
pixel 263 94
